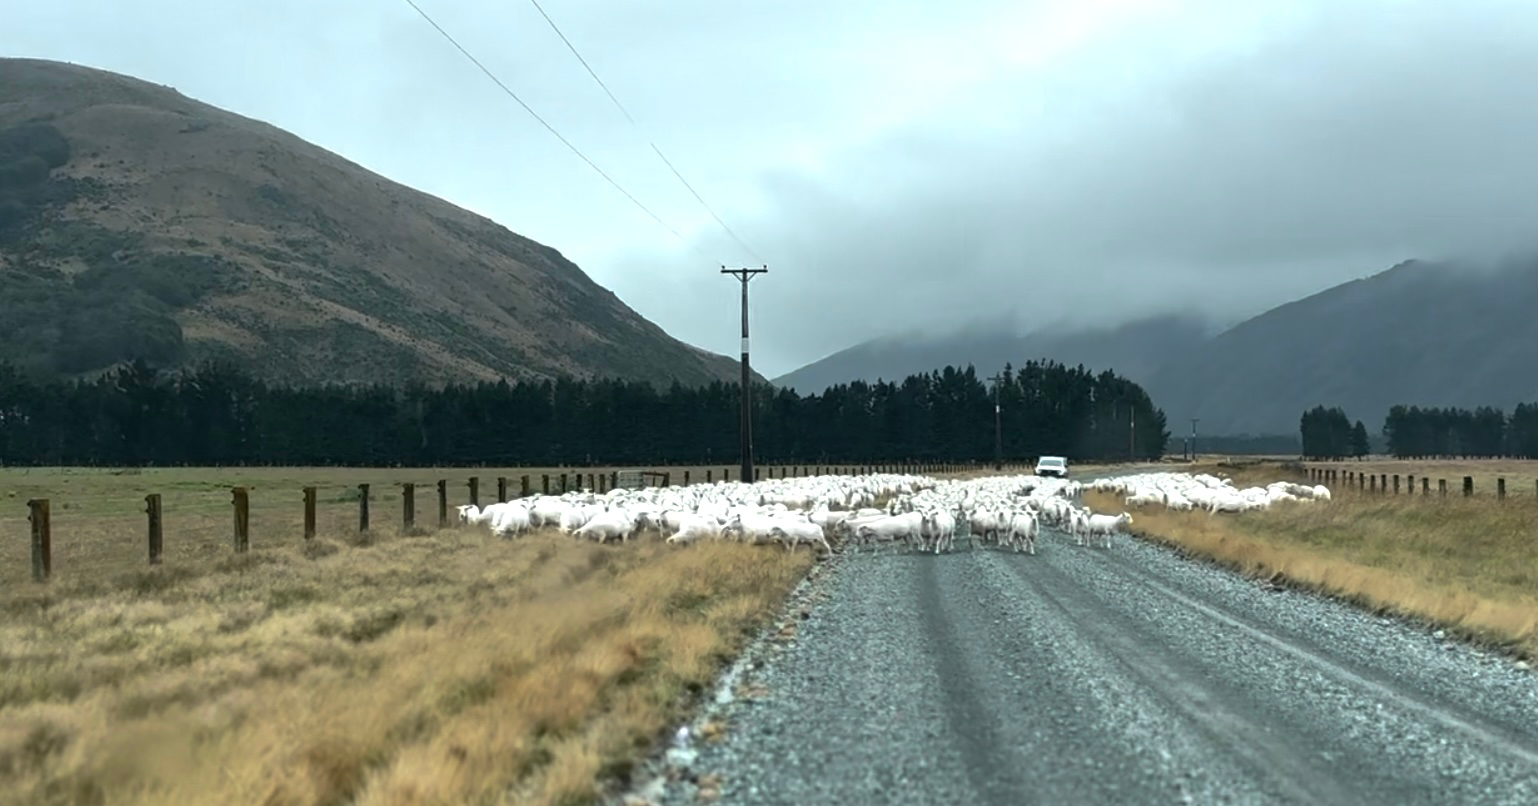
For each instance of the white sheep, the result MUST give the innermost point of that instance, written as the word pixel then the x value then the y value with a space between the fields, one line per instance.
pixel 612 524
pixel 796 531
pixel 1104 525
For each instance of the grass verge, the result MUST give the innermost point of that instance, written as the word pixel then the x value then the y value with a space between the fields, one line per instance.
pixel 1470 565
pixel 447 668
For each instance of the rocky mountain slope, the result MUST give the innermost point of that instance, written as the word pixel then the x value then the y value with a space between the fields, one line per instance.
pixel 135 221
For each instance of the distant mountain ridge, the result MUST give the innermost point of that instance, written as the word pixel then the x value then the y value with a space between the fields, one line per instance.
pixel 1134 349
pixel 1429 334
pixel 1424 333
pixel 135 221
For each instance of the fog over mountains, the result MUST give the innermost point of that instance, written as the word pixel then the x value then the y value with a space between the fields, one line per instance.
pixel 1426 333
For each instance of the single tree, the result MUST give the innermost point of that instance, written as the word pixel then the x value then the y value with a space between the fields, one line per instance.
pixel 1359 447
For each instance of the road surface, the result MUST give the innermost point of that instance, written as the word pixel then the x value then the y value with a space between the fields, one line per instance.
pixel 1121 675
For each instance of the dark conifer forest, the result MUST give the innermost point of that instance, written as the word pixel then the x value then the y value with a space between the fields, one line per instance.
pixel 216 415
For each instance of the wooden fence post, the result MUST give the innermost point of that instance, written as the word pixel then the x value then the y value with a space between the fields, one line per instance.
pixel 1409 484
pixel 501 489
pixel 1468 486
pixel 1396 484
pixel 686 478
pixel 708 476
pixel 524 490
pixel 408 506
pixel 309 513
pixel 592 482
pixel 544 483
pixel 1372 483
pixel 1442 487
pixel 443 503
pixel 667 478
pixel 157 542
pixel 362 507
pixel 1500 488
pixel 613 479
pixel 242 519
pixel 475 491
pixel 563 484
pixel 1425 485
pixel 42 539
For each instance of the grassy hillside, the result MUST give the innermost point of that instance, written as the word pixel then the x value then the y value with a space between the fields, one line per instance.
pixel 137 221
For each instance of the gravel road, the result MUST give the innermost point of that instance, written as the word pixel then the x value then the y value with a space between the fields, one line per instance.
pixel 1084 675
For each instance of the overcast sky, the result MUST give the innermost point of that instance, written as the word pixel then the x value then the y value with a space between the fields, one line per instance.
pixel 899 164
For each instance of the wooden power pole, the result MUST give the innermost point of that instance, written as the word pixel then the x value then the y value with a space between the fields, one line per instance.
pixel 998 426
pixel 744 275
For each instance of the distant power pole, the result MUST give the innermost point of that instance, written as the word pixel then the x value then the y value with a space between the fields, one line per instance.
pixel 1131 434
pixel 745 275
pixel 998 426
pixel 1193 437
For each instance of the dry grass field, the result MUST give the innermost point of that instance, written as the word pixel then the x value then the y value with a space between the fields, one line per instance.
pixel 1470 564
pixel 435 666
pixel 99 523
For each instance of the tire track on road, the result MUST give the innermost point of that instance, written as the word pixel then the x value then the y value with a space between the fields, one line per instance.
pixel 1499 738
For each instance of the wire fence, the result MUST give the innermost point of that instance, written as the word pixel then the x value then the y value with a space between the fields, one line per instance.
pixel 1427 484
pixel 86 525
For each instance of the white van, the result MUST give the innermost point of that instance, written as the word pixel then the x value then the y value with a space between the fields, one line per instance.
pixel 1052 466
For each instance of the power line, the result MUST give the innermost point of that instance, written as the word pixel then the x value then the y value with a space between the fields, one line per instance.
pixel 652 143
pixel 542 121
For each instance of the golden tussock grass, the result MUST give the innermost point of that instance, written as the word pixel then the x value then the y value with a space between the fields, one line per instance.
pixel 1470 564
pixel 450 667
pixel 1521 475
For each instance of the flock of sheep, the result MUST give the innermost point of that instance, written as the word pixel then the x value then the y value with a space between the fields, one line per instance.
pixel 1185 492
pixel 879 510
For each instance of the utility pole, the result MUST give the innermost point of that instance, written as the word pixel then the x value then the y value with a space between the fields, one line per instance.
pixel 744 275
pixel 998 426
pixel 1193 437
pixel 1131 434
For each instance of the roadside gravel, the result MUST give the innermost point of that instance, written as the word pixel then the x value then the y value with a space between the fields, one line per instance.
pixel 1091 675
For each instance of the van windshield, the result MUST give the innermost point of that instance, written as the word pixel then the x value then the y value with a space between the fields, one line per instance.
pixel 1049 462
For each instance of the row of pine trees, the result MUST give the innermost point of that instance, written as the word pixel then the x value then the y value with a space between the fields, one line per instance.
pixel 1329 434
pixel 217 415
pixel 1416 432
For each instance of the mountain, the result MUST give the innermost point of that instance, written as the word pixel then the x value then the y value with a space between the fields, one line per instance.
pixel 1134 350
pixel 135 221
pixel 1423 333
